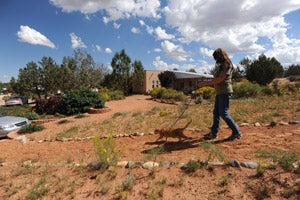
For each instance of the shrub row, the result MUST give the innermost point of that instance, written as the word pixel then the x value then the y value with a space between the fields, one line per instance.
pixel 71 103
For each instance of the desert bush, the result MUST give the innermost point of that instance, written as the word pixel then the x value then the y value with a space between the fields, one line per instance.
pixel 167 94
pixel 106 151
pixel 81 100
pixel 171 94
pixel 266 90
pixel 206 92
pixel 246 89
pixel 157 92
pixel 103 91
pixel 116 95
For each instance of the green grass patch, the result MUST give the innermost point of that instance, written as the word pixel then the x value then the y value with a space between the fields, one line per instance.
pixel 31 128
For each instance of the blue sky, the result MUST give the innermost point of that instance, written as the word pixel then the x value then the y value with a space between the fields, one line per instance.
pixel 161 34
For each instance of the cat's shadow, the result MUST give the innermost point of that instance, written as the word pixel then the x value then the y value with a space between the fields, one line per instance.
pixel 169 146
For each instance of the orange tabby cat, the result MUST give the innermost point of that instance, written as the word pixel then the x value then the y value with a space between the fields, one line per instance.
pixel 171 132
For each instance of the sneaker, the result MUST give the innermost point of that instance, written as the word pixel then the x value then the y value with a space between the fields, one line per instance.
pixel 210 136
pixel 234 137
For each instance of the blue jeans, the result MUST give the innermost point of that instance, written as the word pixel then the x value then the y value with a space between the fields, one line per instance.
pixel 221 109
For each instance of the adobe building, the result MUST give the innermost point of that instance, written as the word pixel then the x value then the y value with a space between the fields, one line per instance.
pixel 185 81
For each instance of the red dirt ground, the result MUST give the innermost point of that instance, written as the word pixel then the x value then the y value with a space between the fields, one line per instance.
pixel 67 179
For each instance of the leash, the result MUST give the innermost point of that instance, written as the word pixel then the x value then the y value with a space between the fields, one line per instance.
pixel 186 107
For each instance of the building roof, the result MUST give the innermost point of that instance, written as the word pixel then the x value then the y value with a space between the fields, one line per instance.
pixel 183 75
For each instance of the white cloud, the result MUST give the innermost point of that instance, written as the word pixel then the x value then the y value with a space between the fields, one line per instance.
pixel 206 52
pixel 162 35
pixel 31 36
pixel 174 52
pixel 98 48
pixel 116 26
pixel 116 9
pixel 142 23
pixel 161 65
pixel 157 50
pixel 236 26
pixel 76 41
pixel 108 50
pixel 135 30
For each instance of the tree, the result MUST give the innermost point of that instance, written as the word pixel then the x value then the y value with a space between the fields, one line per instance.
pixel 263 70
pixel 237 73
pixel 121 71
pixel 29 81
pixel 166 78
pixel 192 70
pixel 138 72
pixel 293 70
pixel 49 75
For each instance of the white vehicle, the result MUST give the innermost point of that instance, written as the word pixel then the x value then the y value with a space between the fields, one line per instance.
pixel 11 123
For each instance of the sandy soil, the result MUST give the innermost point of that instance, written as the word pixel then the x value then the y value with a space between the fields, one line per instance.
pixel 61 164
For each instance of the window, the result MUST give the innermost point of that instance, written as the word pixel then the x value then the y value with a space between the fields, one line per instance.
pixel 157 83
pixel 152 84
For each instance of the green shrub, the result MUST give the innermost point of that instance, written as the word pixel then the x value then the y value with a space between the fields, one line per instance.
pixel 157 92
pixel 167 94
pixel 246 89
pixel 267 91
pixel 116 95
pixel 81 100
pixel 30 128
pixel 206 92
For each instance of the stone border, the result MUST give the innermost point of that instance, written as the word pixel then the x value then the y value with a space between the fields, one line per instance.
pixel 43 121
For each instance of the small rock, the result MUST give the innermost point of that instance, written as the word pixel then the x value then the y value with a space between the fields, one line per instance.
pixel 150 165
pixel 257 124
pixel 244 124
pixel 27 163
pixel 141 134
pixel 122 163
pixel 283 123
pixel 216 163
pixel 249 164
pixel 294 122
pixel 235 163
pixel 130 164
pixel 183 166
pixel 94 165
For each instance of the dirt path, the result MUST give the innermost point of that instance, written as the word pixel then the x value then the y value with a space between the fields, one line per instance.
pixel 62 157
